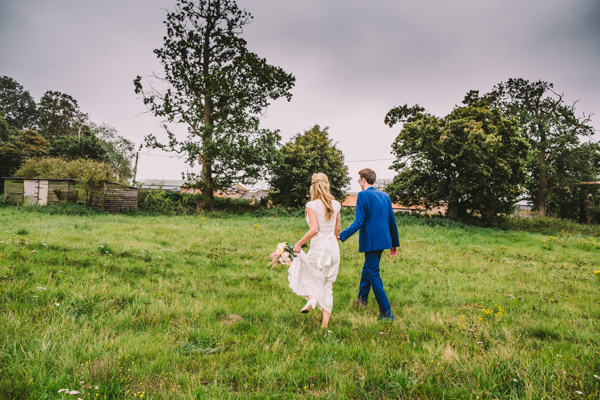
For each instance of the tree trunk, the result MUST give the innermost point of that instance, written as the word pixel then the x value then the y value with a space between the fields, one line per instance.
pixel 208 197
pixel 540 200
pixel 452 211
pixel 582 205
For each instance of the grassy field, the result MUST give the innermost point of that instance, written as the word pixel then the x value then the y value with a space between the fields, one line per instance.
pixel 185 307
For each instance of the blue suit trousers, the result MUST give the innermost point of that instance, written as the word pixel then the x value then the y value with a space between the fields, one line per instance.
pixel 370 279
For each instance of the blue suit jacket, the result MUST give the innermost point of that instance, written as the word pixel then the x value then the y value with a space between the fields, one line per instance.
pixel 375 219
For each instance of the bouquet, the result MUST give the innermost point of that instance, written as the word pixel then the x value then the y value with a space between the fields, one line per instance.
pixel 283 255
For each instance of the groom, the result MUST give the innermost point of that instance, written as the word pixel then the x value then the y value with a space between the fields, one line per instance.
pixel 378 231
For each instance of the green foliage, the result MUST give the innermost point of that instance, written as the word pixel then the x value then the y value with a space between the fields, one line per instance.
pixel 4 129
pixel 87 145
pixel 556 161
pixel 59 115
pixel 472 160
pixel 186 307
pixel 17 147
pixel 16 103
pixel 171 203
pixel 119 150
pixel 218 89
pixel 167 202
pixel 547 226
pixel 65 132
pixel 57 168
pixel 575 201
pixel 301 157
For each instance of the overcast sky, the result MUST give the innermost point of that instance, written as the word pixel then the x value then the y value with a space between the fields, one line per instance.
pixel 353 60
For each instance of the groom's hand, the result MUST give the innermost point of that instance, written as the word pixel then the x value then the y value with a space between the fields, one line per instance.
pixel 393 252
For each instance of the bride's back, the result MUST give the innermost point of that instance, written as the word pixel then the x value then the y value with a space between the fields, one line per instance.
pixel 326 226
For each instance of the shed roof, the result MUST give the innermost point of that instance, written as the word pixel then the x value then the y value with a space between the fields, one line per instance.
pixel 37 179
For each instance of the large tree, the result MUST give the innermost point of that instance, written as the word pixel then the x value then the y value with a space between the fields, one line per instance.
pixel 59 116
pixel 572 199
pixel 17 104
pixel 119 150
pixel 551 126
pixel 218 89
pixel 301 157
pixel 85 145
pixel 18 146
pixel 472 160
pixel 98 143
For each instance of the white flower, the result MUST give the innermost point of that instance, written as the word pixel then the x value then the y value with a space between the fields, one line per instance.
pixel 515 380
pixel 95 387
pixel 73 392
pixel 41 288
pixel 35 296
pixel 558 355
pixel 57 305
pixel 81 383
pixel 578 392
pixel 63 390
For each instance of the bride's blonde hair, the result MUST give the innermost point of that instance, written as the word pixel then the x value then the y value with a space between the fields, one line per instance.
pixel 319 189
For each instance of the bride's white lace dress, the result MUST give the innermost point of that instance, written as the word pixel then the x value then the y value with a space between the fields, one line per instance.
pixel 313 274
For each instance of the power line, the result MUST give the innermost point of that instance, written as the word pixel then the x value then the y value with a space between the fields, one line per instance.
pixel 377 159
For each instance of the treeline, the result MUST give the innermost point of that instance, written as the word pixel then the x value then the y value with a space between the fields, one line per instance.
pixel 57 131
pixel 519 142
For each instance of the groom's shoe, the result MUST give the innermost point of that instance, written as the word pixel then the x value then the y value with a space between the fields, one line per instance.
pixel 312 303
pixel 360 304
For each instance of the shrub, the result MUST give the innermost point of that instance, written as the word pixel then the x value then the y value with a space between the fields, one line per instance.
pixel 169 202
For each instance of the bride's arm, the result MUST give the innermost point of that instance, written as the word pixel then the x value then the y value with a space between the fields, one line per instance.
pixel 338 225
pixel 312 231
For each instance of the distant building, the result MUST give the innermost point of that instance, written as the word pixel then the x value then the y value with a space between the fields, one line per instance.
pixel 381 184
pixel 163 184
pixel 351 197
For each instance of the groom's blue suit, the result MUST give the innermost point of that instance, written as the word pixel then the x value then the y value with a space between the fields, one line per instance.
pixel 378 231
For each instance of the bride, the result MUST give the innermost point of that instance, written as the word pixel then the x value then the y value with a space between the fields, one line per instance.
pixel 312 275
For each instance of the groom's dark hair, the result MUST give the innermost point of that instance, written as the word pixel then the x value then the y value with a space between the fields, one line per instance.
pixel 368 174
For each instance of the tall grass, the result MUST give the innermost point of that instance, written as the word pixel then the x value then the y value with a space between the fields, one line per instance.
pixel 185 307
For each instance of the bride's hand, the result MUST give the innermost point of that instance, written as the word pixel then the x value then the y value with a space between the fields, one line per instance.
pixel 297 248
